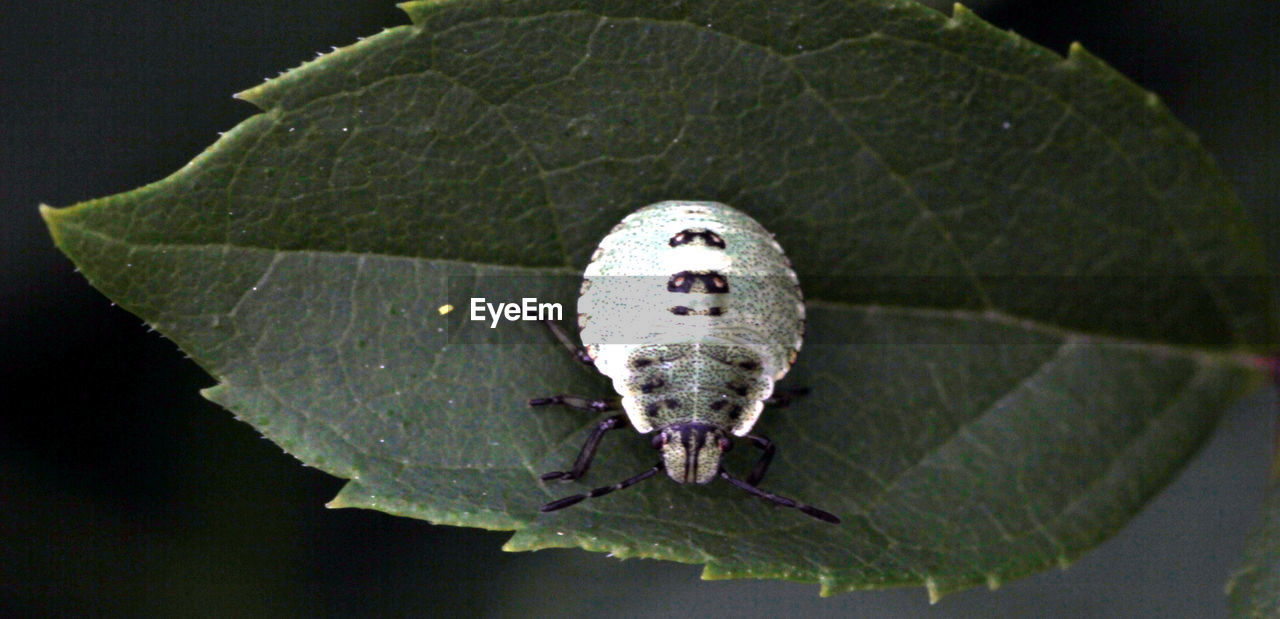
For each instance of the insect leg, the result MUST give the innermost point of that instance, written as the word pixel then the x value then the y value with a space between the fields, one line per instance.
pixel 779 500
pixel 588 451
pixel 767 448
pixel 782 398
pixel 578 402
pixel 579 354
pixel 603 490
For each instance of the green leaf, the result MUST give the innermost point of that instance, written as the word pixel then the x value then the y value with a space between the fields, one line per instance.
pixel 1031 292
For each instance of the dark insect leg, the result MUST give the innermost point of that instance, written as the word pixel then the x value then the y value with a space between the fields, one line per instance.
pixel 578 498
pixel 580 354
pixel 588 450
pixel 779 500
pixel 578 402
pixel 762 465
pixel 782 398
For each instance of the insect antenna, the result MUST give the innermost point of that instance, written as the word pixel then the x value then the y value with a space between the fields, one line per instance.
pixel 601 491
pixel 780 500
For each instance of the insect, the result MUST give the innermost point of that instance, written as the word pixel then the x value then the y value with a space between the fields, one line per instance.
pixel 693 311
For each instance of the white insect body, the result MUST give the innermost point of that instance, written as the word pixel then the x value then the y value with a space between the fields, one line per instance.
pixel 693 311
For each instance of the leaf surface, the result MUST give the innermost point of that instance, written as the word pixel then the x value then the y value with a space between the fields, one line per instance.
pixel 1031 292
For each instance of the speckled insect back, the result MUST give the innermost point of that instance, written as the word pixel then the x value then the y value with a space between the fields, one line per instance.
pixel 693 311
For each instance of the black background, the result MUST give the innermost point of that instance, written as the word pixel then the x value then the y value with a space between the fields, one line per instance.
pixel 122 491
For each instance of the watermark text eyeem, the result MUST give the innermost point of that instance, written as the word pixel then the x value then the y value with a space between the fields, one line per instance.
pixel 527 309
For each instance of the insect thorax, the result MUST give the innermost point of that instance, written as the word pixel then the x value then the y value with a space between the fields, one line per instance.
pixel 693 310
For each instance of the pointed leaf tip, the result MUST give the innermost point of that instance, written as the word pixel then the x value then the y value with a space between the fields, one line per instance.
pixel 51 217
pixel 418 10
pixel 1077 52
pixel 251 96
pixel 931 587
pixel 216 394
pixel 993 581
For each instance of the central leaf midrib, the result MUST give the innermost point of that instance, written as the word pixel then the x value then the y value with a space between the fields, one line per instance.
pixel 1235 356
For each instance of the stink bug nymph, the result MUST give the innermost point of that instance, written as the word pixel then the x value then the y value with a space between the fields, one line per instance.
pixel 693 311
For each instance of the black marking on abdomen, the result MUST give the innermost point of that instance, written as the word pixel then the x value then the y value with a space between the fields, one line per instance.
pixel 708 238
pixel 708 282
pixel 653 384
pixel 653 408
pixel 681 310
